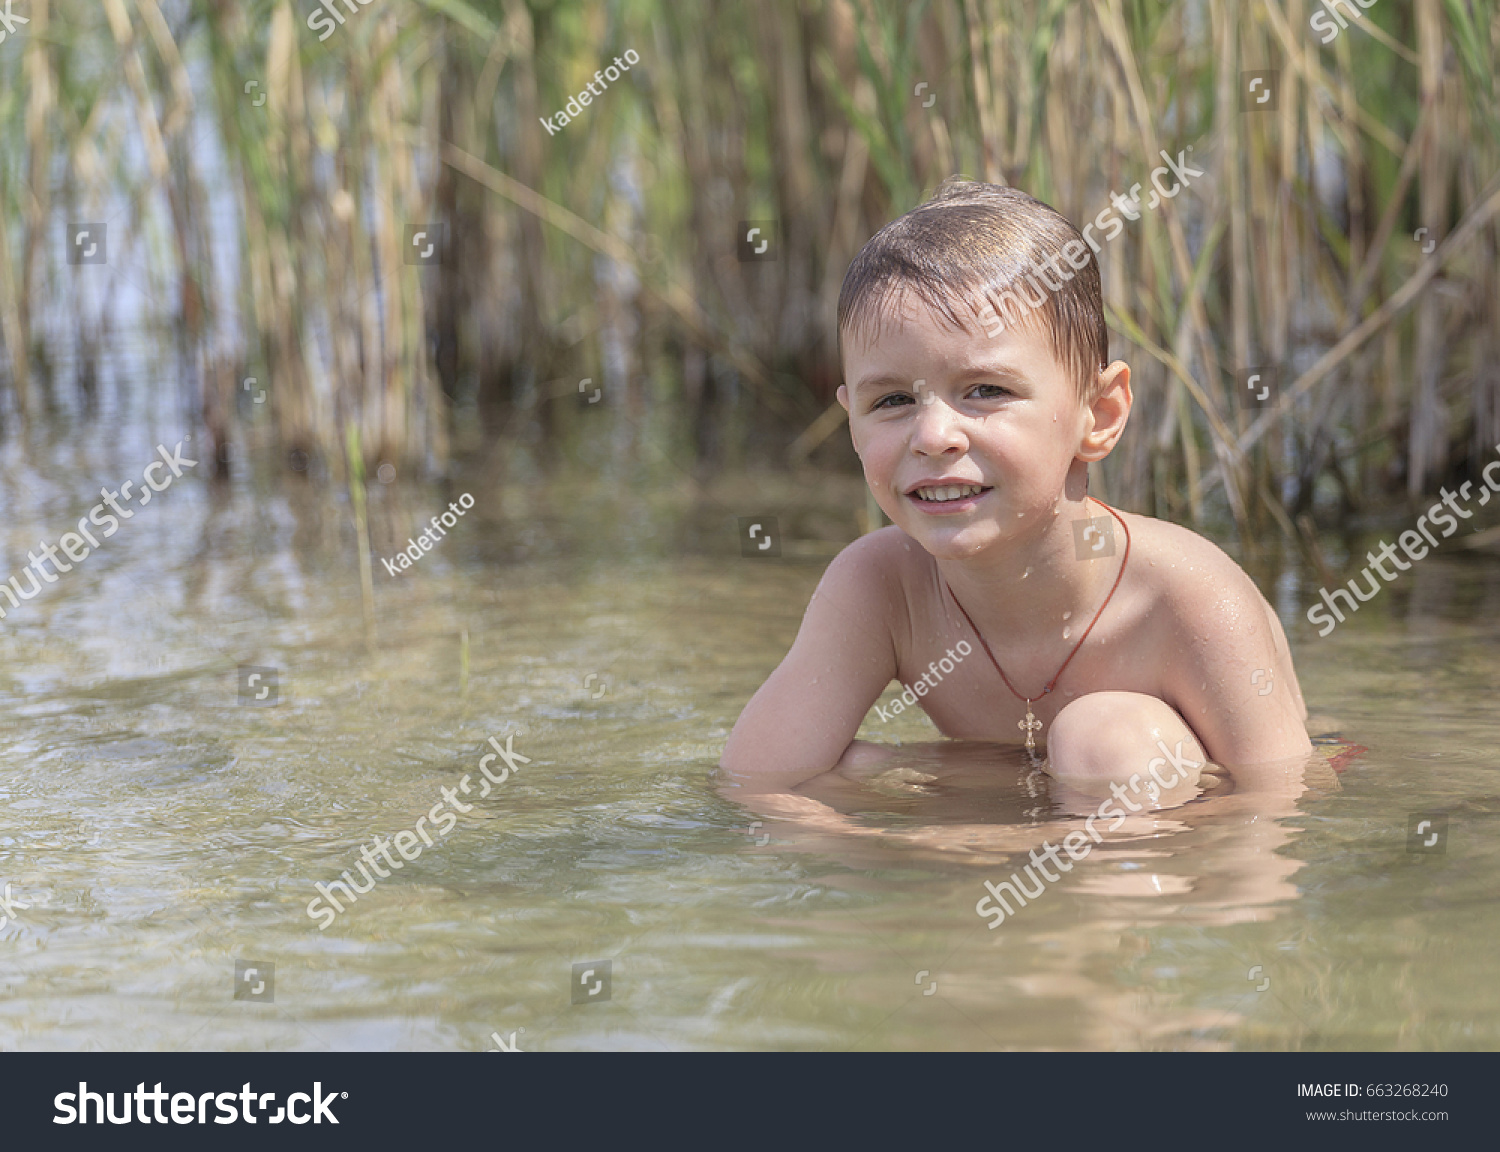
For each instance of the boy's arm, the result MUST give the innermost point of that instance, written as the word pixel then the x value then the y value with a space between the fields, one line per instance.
pixel 803 719
pixel 1231 672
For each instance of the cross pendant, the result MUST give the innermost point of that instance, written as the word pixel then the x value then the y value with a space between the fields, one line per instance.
pixel 1031 724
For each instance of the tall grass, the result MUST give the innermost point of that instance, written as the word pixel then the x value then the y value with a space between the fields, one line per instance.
pixel 608 249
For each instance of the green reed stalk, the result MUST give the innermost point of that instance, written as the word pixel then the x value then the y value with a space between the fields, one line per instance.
pixel 355 460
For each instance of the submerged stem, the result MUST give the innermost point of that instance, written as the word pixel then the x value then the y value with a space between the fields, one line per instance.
pixel 356 462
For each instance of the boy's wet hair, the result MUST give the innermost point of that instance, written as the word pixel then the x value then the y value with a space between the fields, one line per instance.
pixel 971 253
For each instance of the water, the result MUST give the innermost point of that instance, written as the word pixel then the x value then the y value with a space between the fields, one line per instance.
pixel 159 830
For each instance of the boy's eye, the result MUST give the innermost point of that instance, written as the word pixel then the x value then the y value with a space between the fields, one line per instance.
pixel 990 392
pixel 978 392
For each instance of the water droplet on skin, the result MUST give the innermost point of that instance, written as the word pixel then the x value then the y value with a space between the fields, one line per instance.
pixel 1066 633
pixel 1067 615
pixel 1025 573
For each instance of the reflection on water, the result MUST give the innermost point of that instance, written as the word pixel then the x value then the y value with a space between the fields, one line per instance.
pixel 155 830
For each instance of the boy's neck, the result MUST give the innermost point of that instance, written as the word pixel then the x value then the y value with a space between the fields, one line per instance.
pixel 1037 584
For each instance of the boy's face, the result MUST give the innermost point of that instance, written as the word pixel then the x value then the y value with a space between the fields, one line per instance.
pixel 928 403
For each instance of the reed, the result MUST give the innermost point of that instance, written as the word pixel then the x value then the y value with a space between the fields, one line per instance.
pixel 463 664
pixel 608 250
pixel 356 477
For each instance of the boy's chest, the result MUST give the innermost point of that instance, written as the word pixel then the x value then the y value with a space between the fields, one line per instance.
pixel 948 674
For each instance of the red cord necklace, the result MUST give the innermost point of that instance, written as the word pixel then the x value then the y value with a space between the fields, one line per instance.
pixel 1031 724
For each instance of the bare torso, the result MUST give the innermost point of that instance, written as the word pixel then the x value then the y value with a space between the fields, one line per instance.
pixel 1174 586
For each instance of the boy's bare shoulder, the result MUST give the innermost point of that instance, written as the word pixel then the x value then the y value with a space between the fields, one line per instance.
pixel 1188 577
pixel 1215 635
pixel 877 571
pixel 881 561
pixel 888 551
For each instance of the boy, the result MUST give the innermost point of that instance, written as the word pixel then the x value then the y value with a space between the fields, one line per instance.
pixel 1113 640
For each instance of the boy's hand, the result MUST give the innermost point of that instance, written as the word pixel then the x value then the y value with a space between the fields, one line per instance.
pixel 863 760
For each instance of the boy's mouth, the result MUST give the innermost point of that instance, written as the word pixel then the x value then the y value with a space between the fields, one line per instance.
pixel 945 497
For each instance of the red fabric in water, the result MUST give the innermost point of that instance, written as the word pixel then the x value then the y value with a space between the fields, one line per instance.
pixel 1339 753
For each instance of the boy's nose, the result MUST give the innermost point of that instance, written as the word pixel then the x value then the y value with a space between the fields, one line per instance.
pixel 938 427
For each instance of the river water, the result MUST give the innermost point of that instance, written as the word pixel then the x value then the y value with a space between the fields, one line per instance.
pixel 159 829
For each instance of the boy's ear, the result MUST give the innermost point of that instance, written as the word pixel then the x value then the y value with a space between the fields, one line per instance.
pixel 843 398
pixel 1108 413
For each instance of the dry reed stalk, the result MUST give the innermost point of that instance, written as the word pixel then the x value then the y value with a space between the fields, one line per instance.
pixel 1301 53
pixel 991 120
pixel 834 159
pixel 672 294
pixel 1396 200
pixel 841 246
pixel 41 82
pixel 1231 170
pixel 354 467
pixel 1111 21
pixel 1427 446
pixel 1474 220
pixel 1356 170
pixel 530 170
pixel 1288 240
pixel 135 75
pixel 397 393
pixel 13 327
pixel 181 110
pixel 286 153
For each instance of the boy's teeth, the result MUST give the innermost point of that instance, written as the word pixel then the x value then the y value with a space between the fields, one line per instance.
pixel 951 492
